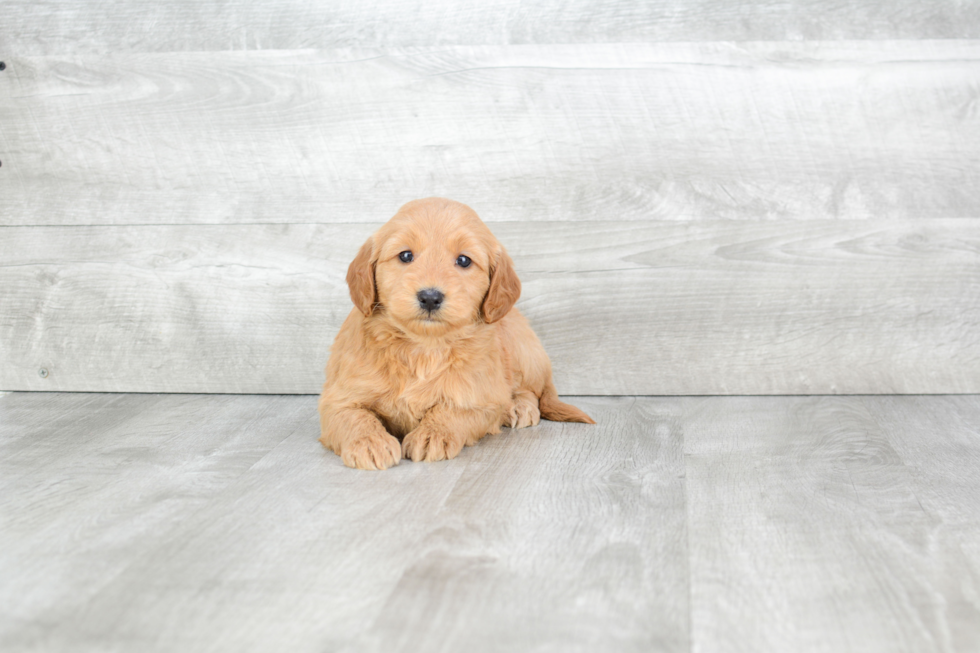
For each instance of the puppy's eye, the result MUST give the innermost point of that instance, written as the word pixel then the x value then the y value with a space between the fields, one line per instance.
pixel 406 257
pixel 463 261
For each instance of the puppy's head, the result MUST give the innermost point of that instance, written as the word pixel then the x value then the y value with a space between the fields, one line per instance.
pixel 434 267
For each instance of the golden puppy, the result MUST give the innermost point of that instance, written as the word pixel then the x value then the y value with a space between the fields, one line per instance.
pixel 434 351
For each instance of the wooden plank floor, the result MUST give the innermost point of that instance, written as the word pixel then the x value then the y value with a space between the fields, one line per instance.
pixel 216 522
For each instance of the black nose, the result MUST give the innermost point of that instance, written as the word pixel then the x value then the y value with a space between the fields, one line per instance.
pixel 430 299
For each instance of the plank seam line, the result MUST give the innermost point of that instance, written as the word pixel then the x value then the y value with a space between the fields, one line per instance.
pixel 377 222
pixel 566 395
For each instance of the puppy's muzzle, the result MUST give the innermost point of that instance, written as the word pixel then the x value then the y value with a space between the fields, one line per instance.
pixel 430 299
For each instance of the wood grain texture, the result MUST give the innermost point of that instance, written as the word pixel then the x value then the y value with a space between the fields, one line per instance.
pixel 86 480
pixel 582 548
pixel 850 130
pixel 217 523
pixel 657 308
pixel 93 26
pixel 560 535
pixel 807 534
pixel 942 462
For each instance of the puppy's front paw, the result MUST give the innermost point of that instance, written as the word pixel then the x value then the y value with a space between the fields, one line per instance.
pixel 374 451
pixel 430 444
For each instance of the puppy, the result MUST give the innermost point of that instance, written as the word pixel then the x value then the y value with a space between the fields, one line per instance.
pixel 434 354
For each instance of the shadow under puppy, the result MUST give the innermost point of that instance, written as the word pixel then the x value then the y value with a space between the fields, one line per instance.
pixel 434 352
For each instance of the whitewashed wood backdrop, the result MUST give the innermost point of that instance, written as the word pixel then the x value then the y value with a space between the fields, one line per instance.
pixel 701 197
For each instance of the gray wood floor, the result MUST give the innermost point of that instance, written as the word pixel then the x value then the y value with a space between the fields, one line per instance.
pixel 218 523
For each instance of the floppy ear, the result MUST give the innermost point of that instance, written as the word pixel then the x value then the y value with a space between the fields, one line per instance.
pixel 360 278
pixel 505 288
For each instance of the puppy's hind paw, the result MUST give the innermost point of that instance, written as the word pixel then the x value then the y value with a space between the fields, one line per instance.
pixel 523 413
pixel 371 452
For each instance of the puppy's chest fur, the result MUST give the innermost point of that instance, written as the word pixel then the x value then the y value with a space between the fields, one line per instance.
pixel 466 373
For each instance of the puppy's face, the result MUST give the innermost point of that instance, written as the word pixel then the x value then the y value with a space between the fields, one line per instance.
pixel 432 268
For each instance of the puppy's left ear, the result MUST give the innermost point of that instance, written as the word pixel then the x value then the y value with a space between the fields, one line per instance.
pixel 505 288
pixel 360 278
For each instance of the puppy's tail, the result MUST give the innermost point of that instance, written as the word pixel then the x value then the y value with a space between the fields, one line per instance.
pixel 553 408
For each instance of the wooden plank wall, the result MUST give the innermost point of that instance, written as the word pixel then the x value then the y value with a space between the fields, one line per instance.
pixel 701 197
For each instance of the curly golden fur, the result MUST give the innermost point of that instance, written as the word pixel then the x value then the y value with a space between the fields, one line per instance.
pixel 436 376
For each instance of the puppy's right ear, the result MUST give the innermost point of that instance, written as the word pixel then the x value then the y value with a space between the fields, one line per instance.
pixel 360 278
